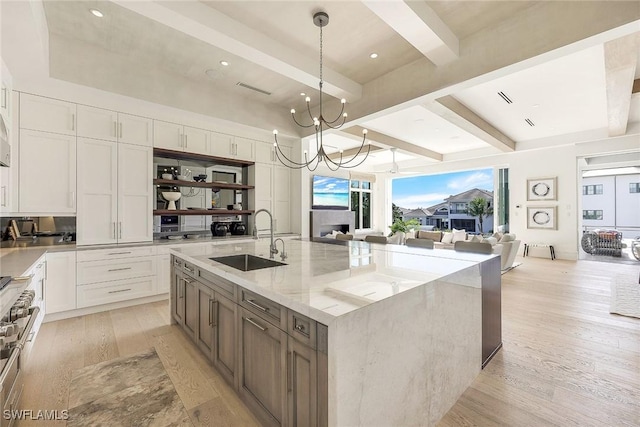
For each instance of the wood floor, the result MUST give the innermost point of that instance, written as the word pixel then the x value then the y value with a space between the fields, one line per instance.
pixel 566 360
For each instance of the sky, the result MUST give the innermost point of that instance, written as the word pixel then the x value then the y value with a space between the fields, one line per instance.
pixel 428 190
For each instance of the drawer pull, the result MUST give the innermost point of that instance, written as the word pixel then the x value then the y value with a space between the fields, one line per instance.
pixel 301 328
pixel 188 269
pixel 120 290
pixel 31 335
pixel 248 319
pixel 258 306
pixel 188 280
pixel 120 269
pixel 119 253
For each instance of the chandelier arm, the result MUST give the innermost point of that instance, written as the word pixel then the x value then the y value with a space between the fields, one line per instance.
pixel 300 124
pixel 330 124
pixel 280 153
pixel 341 114
pixel 346 164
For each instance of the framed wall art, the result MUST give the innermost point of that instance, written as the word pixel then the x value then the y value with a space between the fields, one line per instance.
pixel 544 217
pixel 542 189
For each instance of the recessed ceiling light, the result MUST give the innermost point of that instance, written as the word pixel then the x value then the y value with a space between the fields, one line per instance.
pixel 96 12
pixel 303 94
pixel 373 55
pixel 225 63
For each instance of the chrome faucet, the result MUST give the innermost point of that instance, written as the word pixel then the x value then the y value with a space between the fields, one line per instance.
pixel 272 247
pixel 283 254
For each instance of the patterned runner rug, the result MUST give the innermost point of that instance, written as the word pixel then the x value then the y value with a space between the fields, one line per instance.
pixel 129 391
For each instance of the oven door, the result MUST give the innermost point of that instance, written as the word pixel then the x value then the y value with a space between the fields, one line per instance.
pixel 11 383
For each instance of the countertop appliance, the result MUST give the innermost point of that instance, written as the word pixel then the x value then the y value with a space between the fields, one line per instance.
pixel 238 228
pixel 219 228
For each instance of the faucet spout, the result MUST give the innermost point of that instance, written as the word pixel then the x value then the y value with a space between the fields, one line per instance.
pixel 283 254
pixel 272 246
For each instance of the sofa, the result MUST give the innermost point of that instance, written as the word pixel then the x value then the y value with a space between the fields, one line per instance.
pixel 506 245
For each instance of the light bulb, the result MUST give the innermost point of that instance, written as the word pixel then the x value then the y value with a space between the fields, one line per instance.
pixel 341 151
pixel 344 101
pixel 275 144
pixel 364 131
pixel 293 111
pixel 307 99
pixel 275 131
pixel 96 12
pixel 344 115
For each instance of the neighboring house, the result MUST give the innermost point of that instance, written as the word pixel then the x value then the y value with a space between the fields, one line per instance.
pixel 420 214
pixel 458 205
pixel 611 201
pixel 439 215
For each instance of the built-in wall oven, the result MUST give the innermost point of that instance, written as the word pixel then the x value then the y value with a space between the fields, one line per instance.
pixel 19 315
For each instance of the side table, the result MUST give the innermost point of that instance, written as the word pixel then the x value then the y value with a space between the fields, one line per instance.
pixel 552 251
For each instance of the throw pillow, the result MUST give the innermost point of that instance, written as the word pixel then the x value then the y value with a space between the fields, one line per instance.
pixel 459 235
pixel 432 235
pixel 507 238
pixel 497 235
pixel 447 237
pixel 411 234
pixel 490 240
pixel 476 238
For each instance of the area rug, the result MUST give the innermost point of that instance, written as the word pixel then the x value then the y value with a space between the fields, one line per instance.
pixel 129 391
pixel 625 295
pixel 514 265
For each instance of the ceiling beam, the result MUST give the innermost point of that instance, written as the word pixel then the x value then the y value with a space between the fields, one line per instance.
pixel 390 141
pixel 417 23
pixel 620 59
pixel 217 29
pixel 353 151
pixel 460 115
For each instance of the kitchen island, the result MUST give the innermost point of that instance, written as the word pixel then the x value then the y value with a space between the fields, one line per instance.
pixel 358 334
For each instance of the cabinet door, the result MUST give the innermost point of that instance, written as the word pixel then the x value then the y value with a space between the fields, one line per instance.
pixel 204 332
pixel 263 195
pixel 196 140
pixel 96 221
pixel 302 385
pixel 5 93
pixel 190 306
pixel 221 145
pixel 177 297
pixel 224 348
pixel 47 172
pixel 97 123
pixel 60 282
pixel 135 193
pixel 163 278
pixel 135 130
pixel 261 367
pixel 167 135
pixel 47 114
pixel 243 149
pixel 282 199
pixel 5 190
pixel 264 152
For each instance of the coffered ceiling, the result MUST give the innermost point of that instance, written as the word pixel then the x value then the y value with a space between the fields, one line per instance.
pixel 433 91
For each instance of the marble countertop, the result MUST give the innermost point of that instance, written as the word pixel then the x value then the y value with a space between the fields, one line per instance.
pixel 324 281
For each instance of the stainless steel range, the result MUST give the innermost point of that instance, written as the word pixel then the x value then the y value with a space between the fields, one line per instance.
pixel 18 318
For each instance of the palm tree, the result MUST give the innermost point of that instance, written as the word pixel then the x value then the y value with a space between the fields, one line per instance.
pixel 480 208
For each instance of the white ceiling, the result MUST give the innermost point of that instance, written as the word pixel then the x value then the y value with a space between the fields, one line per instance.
pixel 160 51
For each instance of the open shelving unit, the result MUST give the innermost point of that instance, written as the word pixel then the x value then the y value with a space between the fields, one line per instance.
pixel 206 161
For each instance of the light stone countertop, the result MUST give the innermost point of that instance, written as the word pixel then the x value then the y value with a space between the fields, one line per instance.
pixel 325 281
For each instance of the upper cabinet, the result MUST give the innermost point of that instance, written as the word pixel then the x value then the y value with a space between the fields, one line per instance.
pixel 109 125
pixel 223 145
pixel 47 114
pixel 266 153
pixel 177 137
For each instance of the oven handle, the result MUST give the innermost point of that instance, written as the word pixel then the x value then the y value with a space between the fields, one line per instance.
pixel 33 312
pixel 13 359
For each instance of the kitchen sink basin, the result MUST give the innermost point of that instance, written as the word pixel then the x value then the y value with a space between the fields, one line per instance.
pixel 246 262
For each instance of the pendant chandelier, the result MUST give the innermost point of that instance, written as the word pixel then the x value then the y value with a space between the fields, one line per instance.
pixel 321 19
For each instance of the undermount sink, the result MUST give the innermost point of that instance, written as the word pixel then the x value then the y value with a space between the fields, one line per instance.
pixel 246 262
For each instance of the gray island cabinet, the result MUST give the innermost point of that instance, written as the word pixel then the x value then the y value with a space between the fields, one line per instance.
pixel 358 334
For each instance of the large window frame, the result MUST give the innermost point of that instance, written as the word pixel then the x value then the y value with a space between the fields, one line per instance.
pixel 361 202
pixel 591 190
pixel 591 214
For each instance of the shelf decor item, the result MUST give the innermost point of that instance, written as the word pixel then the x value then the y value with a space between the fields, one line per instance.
pixel 542 189
pixel 171 197
pixel 544 217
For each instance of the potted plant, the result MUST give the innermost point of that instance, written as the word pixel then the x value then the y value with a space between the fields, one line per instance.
pixel 400 228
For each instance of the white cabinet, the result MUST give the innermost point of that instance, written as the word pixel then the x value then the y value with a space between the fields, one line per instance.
pixel 112 126
pixel 5 95
pixel 47 172
pixel 272 191
pixel 5 190
pixel 60 282
pixel 47 114
pixel 196 140
pixel 176 137
pixel 228 146
pixel 163 277
pixel 266 153
pixel 115 195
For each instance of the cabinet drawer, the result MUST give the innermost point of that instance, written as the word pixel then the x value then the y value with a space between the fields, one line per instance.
pixel 264 308
pixel 301 328
pixel 115 253
pixel 120 290
pixel 190 269
pixel 107 270
pixel 218 284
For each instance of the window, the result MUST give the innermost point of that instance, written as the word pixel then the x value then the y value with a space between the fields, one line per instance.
pixel 588 190
pixel 634 187
pixel 361 203
pixel 458 208
pixel 591 214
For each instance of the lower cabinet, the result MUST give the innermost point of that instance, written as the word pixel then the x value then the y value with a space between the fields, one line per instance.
pixel 262 363
pixel 60 282
pixel 275 358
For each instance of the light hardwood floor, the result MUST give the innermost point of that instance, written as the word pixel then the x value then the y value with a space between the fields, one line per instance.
pixel 566 360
